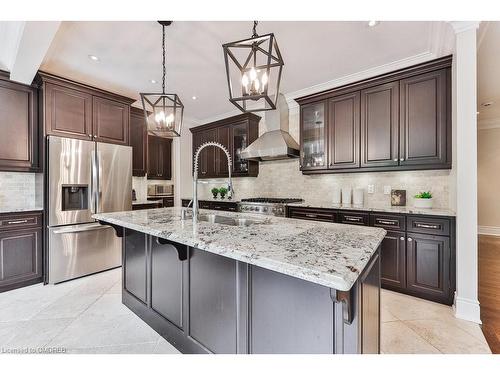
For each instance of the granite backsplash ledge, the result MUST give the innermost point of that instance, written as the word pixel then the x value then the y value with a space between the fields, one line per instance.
pixel 21 191
pixel 284 179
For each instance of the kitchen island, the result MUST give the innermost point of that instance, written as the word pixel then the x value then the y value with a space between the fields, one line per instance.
pixel 250 284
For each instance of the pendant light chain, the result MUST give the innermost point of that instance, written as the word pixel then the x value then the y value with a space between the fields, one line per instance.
pixel 164 58
pixel 255 23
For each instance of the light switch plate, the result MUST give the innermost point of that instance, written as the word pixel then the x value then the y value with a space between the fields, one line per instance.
pixel 387 190
pixel 371 189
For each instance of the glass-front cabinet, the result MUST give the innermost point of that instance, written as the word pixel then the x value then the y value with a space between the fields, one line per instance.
pixel 239 142
pixel 313 136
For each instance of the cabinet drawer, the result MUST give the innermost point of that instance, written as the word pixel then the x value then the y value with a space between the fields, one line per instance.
pixel 311 214
pixel 428 225
pixel 391 222
pixel 355 218
pixel 224 206
pixel 20 221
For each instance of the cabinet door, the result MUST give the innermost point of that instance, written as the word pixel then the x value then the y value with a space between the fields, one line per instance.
pixel 313 136
pixel 206 161
pixel 165 158
pixel 424 126
pixel 138 141
pixel 68 112
pixel 428 266
pixel 239 141
pixel 343 131
pixel 111 121
pixel 19 141
pixel 152 157
pixel 223 137
pixel 20 256
pixel 380 126
pixel 135 264
pixel 393 260
pixel 197 142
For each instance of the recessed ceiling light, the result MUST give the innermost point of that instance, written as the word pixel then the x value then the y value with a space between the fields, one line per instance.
pixel 486 104
pixel 152 80
pixel 373 23
pixel 194 97
pixel 93 58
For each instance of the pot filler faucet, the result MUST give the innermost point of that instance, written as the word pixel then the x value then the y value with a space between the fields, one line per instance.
pixel 195 178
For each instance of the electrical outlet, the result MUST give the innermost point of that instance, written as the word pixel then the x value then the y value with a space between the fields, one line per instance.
pixel 371 189
pixel 387 190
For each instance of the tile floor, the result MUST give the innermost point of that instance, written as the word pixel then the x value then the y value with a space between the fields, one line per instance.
pixel 415 326
pixel 86 316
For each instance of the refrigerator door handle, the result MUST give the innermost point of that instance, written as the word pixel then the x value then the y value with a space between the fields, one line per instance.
pixel 82 228
pixel 99 174
pixel 93 190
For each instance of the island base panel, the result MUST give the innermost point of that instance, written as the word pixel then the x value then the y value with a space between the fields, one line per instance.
pixel 212 304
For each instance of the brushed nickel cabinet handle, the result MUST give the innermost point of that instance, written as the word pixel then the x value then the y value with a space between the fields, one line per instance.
pixel 387 222
pixel 402 238
pixel 409 239
pixel 396 159
pixel 311 215
pixel 17 221
pixel 351 218
pixel 402 159
pixel 418 225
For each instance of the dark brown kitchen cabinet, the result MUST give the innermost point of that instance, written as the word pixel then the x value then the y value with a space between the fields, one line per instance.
pixel 159 158
pixel 393 261
pixel 214 205
pixel 235 133
pixel 68 112
pixel 20 137
pixel 20 250
pixel 138 141
pixel 343 131
pixel 75 110
pixel 111 121
pixel 405 123
pixel 424 119
pixel 428 266
pixel 380 126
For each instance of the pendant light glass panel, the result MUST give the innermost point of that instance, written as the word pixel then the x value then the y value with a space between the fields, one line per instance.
pixel 253 69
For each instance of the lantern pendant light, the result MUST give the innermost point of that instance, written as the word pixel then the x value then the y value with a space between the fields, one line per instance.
pixel 253 69
pixel 163 112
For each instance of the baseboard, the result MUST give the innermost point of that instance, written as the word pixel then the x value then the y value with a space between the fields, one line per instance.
pixel 467 309
pixel 488 230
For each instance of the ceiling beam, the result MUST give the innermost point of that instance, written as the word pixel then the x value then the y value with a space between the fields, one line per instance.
pixel 28 48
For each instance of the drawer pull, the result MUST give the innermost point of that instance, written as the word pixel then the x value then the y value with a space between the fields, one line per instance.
pixel 387 222
pixel 352 218
pixel 409 239
pixel 402 238
pixel 428 226
pixel 311 215
pixel 17 221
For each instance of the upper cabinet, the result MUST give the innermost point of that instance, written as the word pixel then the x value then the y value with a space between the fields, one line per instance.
pixel 159 158
pixel 78 111
pixel 398 121
pixel 19 140
pixel 138 141
pixel 235 133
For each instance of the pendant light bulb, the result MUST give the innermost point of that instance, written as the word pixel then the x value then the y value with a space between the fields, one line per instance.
pixel 253 74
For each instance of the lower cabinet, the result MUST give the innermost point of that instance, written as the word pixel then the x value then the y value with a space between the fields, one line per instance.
pixel 20 251
pixel 393 260
pixel 428 266
pixel 214 205
pixel 135 265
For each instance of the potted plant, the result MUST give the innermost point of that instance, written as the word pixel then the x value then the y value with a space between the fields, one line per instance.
pixel 423 200
pixel 223 191
pixel 215 191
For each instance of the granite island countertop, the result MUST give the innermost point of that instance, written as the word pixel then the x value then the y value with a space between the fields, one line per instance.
pixel 332 255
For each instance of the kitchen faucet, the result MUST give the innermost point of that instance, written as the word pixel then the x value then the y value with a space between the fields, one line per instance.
pixel 195 178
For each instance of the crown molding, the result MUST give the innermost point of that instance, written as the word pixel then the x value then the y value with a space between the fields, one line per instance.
pixel 441 38
pixel 461 26
pixel 482 33
pixel 486 124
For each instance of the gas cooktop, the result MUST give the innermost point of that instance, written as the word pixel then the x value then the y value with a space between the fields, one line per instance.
pixel 266 206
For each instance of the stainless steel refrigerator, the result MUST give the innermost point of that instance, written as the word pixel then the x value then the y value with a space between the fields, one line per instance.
pixel 84 178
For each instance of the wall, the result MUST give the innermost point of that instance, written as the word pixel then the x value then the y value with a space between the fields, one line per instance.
pixel 488 178
pixel 284 179
pixel 21 190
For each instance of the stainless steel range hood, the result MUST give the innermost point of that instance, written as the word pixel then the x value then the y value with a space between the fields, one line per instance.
pixel 276 143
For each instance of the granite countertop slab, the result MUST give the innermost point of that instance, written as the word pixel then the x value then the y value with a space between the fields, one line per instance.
pixel 13 209
pixel 332 255
pixel 388 209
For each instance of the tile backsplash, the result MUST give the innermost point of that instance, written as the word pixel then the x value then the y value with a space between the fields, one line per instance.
pixel 284 179
pixel 140 185
pixel 21 189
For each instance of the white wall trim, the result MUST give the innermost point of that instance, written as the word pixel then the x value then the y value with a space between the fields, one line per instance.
pixel 488 124
pixel 467 309
pixel 489 230
pixel 461 26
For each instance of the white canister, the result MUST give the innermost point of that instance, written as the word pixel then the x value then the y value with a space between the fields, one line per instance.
pixel 358 196
pixel 346 196
pixel 422 203
pixel 336 196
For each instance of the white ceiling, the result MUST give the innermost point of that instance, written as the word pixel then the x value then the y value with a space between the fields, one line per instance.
pixel 314 53
pixel 488 73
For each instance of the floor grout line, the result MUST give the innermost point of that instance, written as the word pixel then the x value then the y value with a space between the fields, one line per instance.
pixel 423 338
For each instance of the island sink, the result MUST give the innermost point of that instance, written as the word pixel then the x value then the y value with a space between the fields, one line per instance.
pixel 253 285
